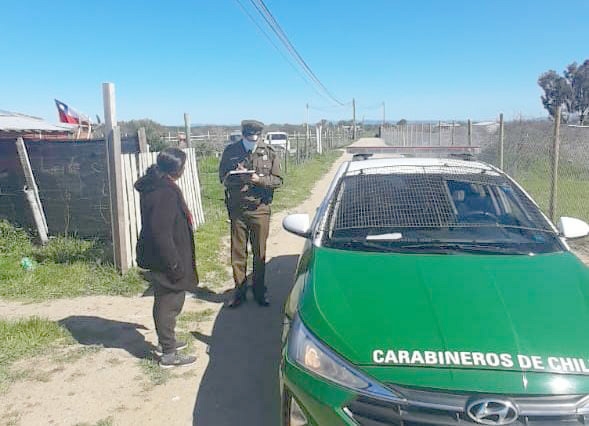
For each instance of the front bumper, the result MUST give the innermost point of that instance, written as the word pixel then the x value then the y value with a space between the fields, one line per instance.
pixel 322 402
pixel 327 404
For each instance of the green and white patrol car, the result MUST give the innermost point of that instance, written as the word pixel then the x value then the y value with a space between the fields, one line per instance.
pixel 434 292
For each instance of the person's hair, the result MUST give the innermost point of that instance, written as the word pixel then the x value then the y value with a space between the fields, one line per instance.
pixel 170 162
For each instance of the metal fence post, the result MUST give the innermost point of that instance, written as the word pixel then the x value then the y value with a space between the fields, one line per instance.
pixel 469 132
pixel 555 157
pixel 501 140
pixel 453 131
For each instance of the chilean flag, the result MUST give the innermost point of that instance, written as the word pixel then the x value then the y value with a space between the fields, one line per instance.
pixel 70 115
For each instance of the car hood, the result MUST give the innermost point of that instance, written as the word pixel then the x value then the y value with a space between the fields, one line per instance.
pixel 441 311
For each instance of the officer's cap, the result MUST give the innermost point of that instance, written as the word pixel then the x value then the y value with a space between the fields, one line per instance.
pixel 251 127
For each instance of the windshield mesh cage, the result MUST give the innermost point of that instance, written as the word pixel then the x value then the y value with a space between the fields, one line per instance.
pixel 427 197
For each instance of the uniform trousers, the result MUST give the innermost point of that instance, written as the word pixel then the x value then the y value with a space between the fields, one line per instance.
pixel 253 225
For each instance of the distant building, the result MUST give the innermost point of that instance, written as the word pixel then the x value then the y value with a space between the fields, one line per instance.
pixel 14 125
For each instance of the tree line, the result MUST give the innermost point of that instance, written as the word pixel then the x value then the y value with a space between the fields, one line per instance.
pixel 570 90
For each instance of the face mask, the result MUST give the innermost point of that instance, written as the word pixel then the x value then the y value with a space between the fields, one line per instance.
pixel 248 144
pixel 252 138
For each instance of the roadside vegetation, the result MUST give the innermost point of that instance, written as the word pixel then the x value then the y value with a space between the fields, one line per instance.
pixel 65 267
pixel 25 338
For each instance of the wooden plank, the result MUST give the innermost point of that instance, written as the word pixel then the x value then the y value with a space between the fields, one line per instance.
pixel 125 231
pixel 190 186
pixel 136 198
pixel 198 191
pixel 132 216
pixel 32 192
pixel 185 180
pixel 142 140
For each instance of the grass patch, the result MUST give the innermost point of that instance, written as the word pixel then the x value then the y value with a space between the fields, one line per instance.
pixel 25 338
pixel 300 179
pixel 572 191
pixel 109 421
pixel 212 267
pixel 194 317
pixel 155 374
pixel 65 267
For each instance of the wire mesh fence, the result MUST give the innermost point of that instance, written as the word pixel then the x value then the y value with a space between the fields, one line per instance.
pixel 524 150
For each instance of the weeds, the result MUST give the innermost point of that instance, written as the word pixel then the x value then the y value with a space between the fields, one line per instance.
pixel 65 267
pixel 25 338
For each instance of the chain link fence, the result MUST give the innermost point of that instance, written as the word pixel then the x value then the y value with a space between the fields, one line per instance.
pixel 524 150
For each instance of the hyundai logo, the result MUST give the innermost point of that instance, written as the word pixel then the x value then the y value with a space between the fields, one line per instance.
pixel 489 411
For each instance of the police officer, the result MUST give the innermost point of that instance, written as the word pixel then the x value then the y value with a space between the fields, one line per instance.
pixel 250 171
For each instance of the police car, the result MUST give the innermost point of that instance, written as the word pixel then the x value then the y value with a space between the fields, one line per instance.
pixel 434 292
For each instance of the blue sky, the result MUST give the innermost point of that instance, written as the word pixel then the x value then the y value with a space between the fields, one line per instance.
pixel 427 60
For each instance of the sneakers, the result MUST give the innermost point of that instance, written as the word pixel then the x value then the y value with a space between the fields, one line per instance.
pixel 179 346
pixel 176 360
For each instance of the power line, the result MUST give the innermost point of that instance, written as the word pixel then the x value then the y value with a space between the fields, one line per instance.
pixel 263 10
pixel 260 29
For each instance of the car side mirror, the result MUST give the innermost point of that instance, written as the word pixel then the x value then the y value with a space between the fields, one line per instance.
pixel 298 224
pixel 571 227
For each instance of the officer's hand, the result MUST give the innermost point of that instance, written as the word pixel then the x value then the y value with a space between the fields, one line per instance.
pixel 255 178
pixel 240 166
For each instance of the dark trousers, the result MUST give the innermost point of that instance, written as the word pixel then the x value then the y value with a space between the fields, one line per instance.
pixel 167 305
pixel 252 224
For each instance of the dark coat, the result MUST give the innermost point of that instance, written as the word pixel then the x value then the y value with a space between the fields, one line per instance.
pixel 240 192
pixel 166 241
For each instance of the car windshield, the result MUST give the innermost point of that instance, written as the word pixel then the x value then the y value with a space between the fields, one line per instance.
pixel 437 211
pixel 278 137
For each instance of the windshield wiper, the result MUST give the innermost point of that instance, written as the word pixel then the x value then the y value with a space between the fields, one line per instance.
pixel 436 247
pixel 464 247
pixel 361 243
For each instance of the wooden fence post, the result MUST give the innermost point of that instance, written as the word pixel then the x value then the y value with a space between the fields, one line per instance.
pixel 32 192
pixel 115 179
pixel 142 140
pixel 555 157
pixel 187 130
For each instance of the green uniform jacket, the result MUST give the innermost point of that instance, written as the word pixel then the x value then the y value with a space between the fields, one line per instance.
pixel 241 193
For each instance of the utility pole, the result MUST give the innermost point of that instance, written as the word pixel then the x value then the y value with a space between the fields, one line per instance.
pixel 383 115
pixel 353 119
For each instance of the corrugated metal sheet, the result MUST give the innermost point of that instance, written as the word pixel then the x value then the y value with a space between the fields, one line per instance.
pixel 15 122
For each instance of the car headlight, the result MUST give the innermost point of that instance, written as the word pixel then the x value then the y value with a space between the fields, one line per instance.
pixel 312 355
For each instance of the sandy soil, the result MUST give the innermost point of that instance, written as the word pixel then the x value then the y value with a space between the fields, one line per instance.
pixel 235 381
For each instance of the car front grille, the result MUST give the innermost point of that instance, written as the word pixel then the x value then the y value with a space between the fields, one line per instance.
pixel 427 408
